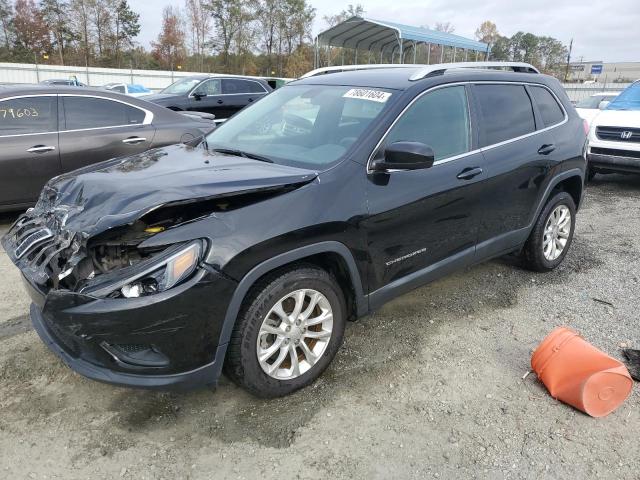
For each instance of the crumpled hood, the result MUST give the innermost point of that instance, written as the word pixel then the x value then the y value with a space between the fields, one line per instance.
pixel 119 191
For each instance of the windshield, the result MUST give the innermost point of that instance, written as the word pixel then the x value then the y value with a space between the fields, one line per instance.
pixel 593 102
pixel 308 126
pixel 182 86
pixel 629 99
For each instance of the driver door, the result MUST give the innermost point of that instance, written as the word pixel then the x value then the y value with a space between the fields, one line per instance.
pixel 207 97
pixel 423 221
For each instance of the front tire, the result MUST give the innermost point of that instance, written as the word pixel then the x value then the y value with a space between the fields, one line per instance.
pixel 288 331
pixel 552 234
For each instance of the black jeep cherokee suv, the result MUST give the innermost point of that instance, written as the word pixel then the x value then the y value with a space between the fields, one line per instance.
pixel 319 203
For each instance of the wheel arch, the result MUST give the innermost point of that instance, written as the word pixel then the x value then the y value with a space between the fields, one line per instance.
pixel 571 181
pixel 331 255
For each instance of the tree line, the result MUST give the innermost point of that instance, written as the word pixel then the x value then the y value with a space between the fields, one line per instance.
pixel 252 37
pixel 546 53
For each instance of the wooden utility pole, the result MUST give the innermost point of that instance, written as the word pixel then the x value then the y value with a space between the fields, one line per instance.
pixel 566 71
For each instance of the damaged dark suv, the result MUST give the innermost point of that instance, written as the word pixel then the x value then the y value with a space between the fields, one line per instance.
pixel 250 250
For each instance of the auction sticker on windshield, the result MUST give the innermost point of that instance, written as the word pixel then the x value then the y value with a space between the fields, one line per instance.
pixel 368 94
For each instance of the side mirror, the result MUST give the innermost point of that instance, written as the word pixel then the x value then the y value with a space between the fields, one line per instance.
pixel 405 156
pixel 199 95
pixel 603 104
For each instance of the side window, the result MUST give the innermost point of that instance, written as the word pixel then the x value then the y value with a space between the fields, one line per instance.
pixel 20 116
pixel 439 119
pixel 253 87
pixel 506 112
pixel 550 111
pixel 234 85
pixel 209 87
pixel 119 89
pixel 89 112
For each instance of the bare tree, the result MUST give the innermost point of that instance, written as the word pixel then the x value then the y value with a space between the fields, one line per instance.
pixel 6 16
pixel 80 19
pixel 199 22
pixel 445 27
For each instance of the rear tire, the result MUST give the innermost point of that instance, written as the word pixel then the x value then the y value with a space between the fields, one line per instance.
pixel 552 234
pixel 591 174
pixel 279 316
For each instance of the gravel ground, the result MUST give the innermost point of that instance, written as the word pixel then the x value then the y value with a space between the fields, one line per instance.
pixel 430 386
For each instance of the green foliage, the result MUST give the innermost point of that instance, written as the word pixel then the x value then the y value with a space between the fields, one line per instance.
pixel 545 53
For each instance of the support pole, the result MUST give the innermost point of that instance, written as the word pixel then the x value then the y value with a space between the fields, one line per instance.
pixel 414 52
pixel 428 53
pixel 454 54
pixel 441 53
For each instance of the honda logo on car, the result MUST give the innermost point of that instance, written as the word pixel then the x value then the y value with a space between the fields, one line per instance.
pixel 626 135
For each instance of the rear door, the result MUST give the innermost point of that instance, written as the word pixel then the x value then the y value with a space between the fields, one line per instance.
pixel 238 93
pixel 99 128
pixel 519 152
pixel 29 154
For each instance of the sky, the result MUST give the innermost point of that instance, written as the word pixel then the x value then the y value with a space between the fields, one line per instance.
pixel 601 30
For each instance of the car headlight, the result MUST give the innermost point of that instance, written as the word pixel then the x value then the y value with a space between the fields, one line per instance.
pixel 173 270
pixel 157 275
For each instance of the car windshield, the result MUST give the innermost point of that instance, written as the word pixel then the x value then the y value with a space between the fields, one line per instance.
pixel 629 99
pixel 182 86
pixel 592 102
pixel 307 126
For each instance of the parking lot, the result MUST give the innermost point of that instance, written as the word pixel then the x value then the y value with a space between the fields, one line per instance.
pixel 430 386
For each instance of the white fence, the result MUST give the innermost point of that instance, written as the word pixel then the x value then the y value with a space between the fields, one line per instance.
pixel 578 91
pixel 93 76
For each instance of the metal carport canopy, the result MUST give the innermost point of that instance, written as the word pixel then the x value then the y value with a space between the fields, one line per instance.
pixel 369 34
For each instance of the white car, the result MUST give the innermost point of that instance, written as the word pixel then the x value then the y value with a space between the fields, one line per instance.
pixel 133 90
pixel 614 136
pixel 589 107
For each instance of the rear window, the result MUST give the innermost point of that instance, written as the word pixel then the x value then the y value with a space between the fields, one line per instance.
pixel 90 112
pixel 20 116
pixel 550 111
pixel 232 85
pixel 506 112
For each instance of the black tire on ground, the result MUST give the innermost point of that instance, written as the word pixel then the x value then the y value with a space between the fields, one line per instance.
pixel 533 254
pixel 241 363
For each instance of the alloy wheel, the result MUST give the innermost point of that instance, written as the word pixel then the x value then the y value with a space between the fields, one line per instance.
pixel 556 232
pixel 294 334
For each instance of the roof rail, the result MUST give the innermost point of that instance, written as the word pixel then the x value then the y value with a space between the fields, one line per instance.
pixel 440 68
pixel 365 66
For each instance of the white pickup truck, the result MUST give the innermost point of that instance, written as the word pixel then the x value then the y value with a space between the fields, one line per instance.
pixel 614 136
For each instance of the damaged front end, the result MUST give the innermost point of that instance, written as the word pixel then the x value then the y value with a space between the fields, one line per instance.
pixel 112 300
pixel 119 313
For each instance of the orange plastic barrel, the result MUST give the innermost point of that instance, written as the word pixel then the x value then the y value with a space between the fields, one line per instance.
pixel 577 373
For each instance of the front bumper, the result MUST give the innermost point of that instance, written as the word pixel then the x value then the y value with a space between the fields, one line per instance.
pixel 183 324
pixel 614 159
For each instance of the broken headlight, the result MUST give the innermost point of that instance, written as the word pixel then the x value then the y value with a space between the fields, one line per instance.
pixel 157 274
pixel 173 270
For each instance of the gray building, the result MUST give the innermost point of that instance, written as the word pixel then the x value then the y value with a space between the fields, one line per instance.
pixel 603 72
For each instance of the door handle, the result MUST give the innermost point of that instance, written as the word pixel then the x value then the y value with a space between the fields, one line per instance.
pixel 41 149
pixel 546 149
pixel 219 102
pixel 469 173
pixel 134 140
